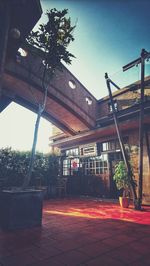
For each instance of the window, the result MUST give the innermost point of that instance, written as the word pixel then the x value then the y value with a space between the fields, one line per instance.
pixel 72 152
pixel 70 166
pixel 115 105
pixel 112 145
pixel 90 166
pixel 74 165
pixel 96 165
pixel 66 167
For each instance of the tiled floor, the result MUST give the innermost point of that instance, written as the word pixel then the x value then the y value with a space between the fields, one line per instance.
pixel 81 232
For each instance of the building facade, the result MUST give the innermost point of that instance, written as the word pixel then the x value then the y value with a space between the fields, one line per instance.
pixel 91 156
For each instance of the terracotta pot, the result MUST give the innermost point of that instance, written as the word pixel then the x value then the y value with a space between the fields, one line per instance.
pixel 124 202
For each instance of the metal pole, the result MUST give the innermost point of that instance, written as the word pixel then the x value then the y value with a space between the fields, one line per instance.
pixel 115 85
pixel 124 154
pixel 141 131
pixel 116 119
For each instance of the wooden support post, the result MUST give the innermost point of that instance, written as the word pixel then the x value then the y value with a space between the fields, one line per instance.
pixel 140 60
pixel 4 30
pixel 141 131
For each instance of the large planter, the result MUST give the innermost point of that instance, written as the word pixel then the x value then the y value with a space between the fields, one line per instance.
pixel 20 209
pixel 124 202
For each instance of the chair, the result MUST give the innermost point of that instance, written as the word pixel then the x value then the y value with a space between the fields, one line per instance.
pixel 61 186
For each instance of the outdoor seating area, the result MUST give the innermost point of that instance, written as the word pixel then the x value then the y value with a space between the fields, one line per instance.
pixel 81 231
pixel 80 195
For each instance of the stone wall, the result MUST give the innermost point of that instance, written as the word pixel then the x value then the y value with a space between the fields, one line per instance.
pixel 133 142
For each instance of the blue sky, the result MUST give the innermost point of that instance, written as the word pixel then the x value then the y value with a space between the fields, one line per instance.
pixel 109 34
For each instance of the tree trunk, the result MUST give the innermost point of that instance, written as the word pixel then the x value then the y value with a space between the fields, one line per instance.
pixel 28 177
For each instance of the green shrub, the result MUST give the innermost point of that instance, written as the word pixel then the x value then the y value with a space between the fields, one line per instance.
pixel 14 167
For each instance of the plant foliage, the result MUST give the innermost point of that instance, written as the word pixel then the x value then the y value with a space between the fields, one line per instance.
pixel 53 38
pixel 121 176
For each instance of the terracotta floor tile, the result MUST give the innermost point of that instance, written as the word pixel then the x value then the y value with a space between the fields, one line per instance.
pixel 81 232
pixel 140 262
pixel 112 242
pixel 124 238
pixel 142 248
pixel 104 261
pixel 99 235
pixel 125 254
pixel 45 244
pixel 68 245
pixel 145 239
pixel 22 259
pixel 73 257
pixel 47 262
pixel 44 253
pixel 95 249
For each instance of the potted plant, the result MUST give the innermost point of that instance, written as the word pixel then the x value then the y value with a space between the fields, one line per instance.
pixel 122 183
pixel 22 207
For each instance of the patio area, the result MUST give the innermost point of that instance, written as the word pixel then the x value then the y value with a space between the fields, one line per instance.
pixel 81 231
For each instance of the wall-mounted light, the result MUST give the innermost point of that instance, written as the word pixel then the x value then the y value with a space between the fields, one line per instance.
pixel 88 100
pixel 22 52
pixel 72 84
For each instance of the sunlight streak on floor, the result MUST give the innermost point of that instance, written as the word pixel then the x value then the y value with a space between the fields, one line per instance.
pixel 102 211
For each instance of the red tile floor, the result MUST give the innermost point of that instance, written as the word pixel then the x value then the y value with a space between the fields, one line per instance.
pixel 81 232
